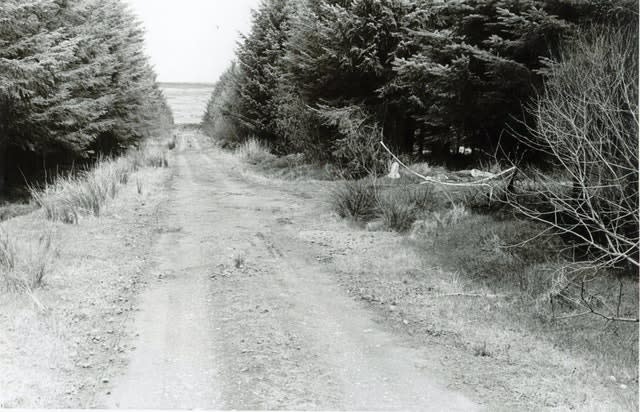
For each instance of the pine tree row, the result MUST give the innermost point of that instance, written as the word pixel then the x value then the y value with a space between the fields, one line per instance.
pixel 323 76
pixel 74 82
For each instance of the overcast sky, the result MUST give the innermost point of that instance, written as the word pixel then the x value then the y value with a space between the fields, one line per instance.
pixel 192 40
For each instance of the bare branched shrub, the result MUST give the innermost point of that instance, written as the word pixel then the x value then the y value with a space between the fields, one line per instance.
pixel 587 124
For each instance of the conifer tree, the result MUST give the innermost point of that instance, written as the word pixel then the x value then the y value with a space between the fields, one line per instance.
pixel 424 72
pixel 220 118
pixel 259 70
pixel 74 79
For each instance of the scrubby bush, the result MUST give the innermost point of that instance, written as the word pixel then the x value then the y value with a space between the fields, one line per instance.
pixel 587 124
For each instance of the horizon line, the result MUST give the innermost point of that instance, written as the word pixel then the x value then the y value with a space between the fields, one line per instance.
pixel 187 82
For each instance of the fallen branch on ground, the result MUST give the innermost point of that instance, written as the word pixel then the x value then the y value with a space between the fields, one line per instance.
pixel 471 295
pixel 481 182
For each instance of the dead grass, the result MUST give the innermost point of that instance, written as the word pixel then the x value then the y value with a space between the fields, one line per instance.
pixel 155 158
pixel 24 264
pixel 254 152
pixel 148 155
pixel 396 214
pixel 88 192
pixel 139 186
pixel 542 291
pixel 83 194
pixel 292 167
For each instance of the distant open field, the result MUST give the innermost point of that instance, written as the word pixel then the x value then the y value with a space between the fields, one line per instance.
pixel 188 101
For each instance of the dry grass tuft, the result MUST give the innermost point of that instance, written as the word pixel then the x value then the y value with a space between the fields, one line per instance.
pixel 156 158
pixel 23 266
pixel 396 213
pixel 397 208
pixel 254 151
pixel 83 194
pixel 147 156
pixel 400 208
pixel 356 199
pixel 86 193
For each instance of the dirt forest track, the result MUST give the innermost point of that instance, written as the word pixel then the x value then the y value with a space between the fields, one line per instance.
pixel 240 315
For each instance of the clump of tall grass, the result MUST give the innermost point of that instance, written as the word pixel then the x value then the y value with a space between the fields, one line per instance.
pixel 397 216
pixel 254 151
pixel 396 211
pixel 147 157
pixel 156 158
pixel 84 193
pixel 23 266
pixel 397 208
pixel 355 199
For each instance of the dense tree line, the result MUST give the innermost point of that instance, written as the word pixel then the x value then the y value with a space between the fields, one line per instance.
pixel 428 75
pixel 74 82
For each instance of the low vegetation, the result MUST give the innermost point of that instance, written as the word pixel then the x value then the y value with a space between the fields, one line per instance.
pixel 505 248
pixel 288 167
pixel 355 199
pixel 520 272
pixel 24 265
pixel 86 193
pixel 254 151
pixel 24 262
pixel 389 206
